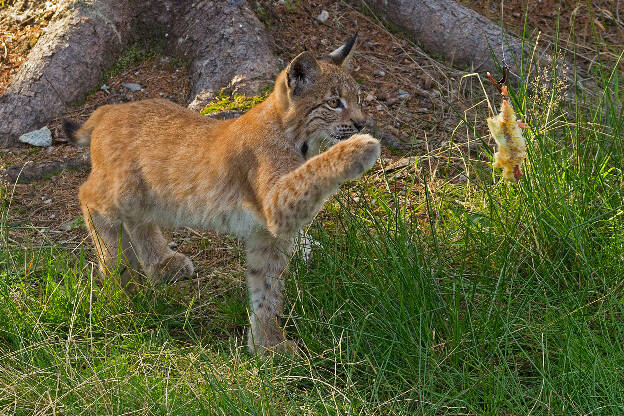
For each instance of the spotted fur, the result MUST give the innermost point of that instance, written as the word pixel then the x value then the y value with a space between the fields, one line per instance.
pixel 261 177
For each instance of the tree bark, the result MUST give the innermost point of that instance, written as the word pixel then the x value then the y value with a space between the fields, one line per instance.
pixel 462 36
pixel 227 46
pixel 66 62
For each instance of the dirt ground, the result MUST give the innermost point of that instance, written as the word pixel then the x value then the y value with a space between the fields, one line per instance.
pixel 407 92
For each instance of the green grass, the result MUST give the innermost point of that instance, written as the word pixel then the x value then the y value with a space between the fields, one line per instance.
pixel 427 297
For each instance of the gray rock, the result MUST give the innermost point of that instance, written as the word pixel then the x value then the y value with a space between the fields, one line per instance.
pixel 66 226
pixel 402 95
pixel 104 87
pixel 323 16
pixel 132 86
pixel 41 137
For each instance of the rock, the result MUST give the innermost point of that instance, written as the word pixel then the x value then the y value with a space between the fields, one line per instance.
pixel 381 73
pixel 66 226
pixel 323 16
pixel 41 137
pixel 172 245
pixel 132 86
pixel 379 107
pixel 403 95
pixel 47 201
pixel 369 97
pixel 105 87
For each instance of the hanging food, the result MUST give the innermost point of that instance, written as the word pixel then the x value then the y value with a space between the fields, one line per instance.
pixel 506 130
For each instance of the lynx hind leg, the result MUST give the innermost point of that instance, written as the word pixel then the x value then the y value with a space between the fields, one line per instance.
pixel 267 260
pixel 112 245
pixel 159 262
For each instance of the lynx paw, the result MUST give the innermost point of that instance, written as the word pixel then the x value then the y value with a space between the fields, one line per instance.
pixel 364 150
pixel 175 268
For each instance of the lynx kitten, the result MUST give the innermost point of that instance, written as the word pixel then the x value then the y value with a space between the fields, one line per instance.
pixel 261 177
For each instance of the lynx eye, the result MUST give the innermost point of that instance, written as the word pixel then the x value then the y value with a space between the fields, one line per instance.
pixel 334 103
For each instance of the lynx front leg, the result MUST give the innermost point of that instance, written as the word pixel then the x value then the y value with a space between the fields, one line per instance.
pixel 297 196
pixel 267 260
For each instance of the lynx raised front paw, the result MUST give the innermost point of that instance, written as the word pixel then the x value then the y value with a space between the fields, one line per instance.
pixel 174 268
pixel 361 152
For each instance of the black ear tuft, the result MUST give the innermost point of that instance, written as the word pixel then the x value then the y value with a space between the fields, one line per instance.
pixel 342 55
pixel 301 72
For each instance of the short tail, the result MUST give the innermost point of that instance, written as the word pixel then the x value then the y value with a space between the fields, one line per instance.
pixel 77 135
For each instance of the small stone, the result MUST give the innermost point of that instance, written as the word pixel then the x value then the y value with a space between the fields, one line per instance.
pixel 47 201
pixel 402 95
pixel 52 216
pixel 162 94
pixel 401 163
pixel 172 245
pixel 381 73
pixel 369 97
pixel 66 226
pixel 132 86
pixel 41 137
pixel 105 87
pixel 379 107
pixel 323 16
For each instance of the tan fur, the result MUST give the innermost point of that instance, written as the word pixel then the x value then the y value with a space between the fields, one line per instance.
pixel 156 164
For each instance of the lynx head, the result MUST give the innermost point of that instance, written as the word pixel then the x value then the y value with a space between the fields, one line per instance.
pixel 321 100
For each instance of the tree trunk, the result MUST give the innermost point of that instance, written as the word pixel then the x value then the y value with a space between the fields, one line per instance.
pixel 227 46
pixel 461 35
pixel 66 62
pixel 224 41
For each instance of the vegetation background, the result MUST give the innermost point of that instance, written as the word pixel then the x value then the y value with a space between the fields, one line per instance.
pixel 436 288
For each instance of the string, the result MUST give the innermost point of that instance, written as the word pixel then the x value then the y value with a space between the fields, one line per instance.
pixel 502 31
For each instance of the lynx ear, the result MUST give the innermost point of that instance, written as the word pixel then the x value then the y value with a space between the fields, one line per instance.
pixel 302 72
pixel 343 54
